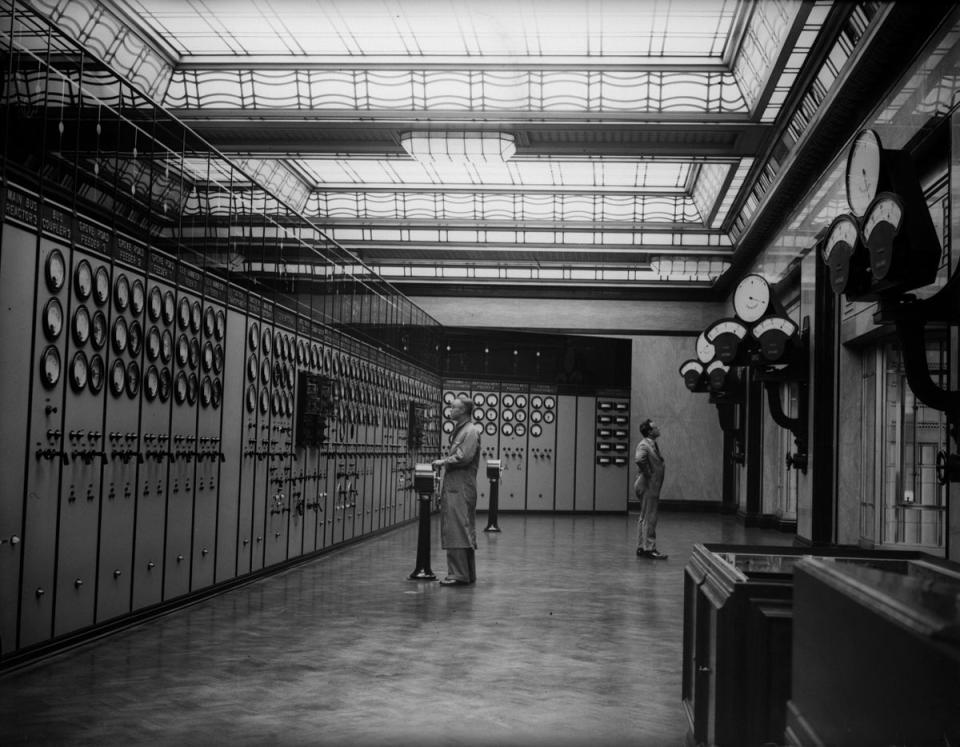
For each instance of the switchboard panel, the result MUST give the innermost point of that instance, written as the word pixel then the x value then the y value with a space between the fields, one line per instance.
pixel 542 444
pixel 584 498
pixel 514 406
pixel 612 451
pixel 567 457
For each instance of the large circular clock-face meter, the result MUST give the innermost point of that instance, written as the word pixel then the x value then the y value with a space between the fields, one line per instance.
pixel 751 299
pixel 169 307
pixel 121 293
pixel 55 271
pixel 79 370
pixel 81 325
pixel 863 171
pixel 97 374
pixel 83 280
pixel 50 367
pixel 136 297
pixel 52 319
pixel 120 334
pixel 705 349
pixel 155 304
pixel 101 285
pixel 881 225
pixel 118 378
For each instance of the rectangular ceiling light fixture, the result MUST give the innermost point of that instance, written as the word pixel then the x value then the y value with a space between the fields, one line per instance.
pixel 458 147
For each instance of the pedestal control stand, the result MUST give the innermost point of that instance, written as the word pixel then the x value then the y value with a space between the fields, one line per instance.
pixel 493 474
pixel 423 483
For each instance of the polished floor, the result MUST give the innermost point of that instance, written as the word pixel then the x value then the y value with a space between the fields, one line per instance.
pixel 567 638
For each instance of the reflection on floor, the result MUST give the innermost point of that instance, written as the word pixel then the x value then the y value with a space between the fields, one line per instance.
pixel 567 638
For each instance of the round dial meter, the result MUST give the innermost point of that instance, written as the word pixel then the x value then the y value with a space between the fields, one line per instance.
pixel 206 391
pixel 220 327
pixel 253 336
pixel 194 353
pixel 81 325
pixel 252 368
pixel 705 349
pixel 183 350
pixel 50 367
pixel 166 346
pixel 192 387
pixel 135 338
pixel 83 280
pixel 120 335
pixel 97 374
pixel 118 378
pixel 153 344
pixel 196 317
pixel 218 359
pixel 151 383
pixel 155 304
pixel 79 371
pixel 101 285
pixel 169 307
pixel 183 314
pixel 251 398
pixel 207 356
pixel 137 296
pixel 133 379
pixel 209 321
pixel 99 329
pixel 52 319
pixel 55 271
pixel 165 384
pixel 752 297
pixel 121 292
pixel 881 225
pixel 180 388
pixel 863 171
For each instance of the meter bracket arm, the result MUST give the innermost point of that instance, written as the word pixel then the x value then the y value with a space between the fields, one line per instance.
pixel 910 317
pixel 728 400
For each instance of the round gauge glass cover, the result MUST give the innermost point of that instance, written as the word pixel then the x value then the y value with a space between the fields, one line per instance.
pixel 153 343
pixel 166 346
pixel 83 280
pixel 183 314
pixel 264 402
pixel 180 388
pixel 133 379
pixel 251 398
pixel 118 377
pixel 120 335
pixel 507 429
pixel 137 296
pixel 206 391
pixel 507 415
pixel 490 429
pixel 56 271
pixel 265 339
pixel 521 400
pixel 492 400
pixel 549 402
pixel 265 370
pixel 478 399
pixel 207 356
pixel 520 430
pixel 135 340
pixel 535 430
pixel 81 325
pixel 52 319
pixel 220 327
pixel 209 321
pixel 194 353
pixel 218 359
pixel 705 349
pixel 508 400
pixel 521 415
pixel 536 416
pixel 536 401
pixel 50 367
pixel 196 317
pixel 151 383
pixel 252 367
pixel 164 384
pixel 79 370
pixel 448 426
pixel 548 417
pixel 217 393
pixel 155 304
pixel 169 307
pixel 96 374
pixel 121 292
pixel 183 350
pixel 253 336
pixel 98 329
pixel 751 298
pixel 862 178
pixel 101 285
pixel 478 413
pixel 193 385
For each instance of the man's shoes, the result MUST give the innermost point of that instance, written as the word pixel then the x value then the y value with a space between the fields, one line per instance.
pixel 453 582
pixel 641 552
pixel 655 555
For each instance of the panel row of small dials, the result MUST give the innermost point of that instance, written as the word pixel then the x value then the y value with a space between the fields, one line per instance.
pixel 512 413
pixel 127 338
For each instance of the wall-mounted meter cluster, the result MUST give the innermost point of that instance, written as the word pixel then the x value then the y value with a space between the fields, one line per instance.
pixel 181 432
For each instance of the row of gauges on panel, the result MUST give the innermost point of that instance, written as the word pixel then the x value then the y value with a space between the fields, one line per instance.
pixel 507 429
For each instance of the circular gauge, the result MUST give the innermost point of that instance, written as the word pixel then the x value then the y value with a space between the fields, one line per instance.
pixel 548 417
pixel 220 326
pixel 120 335
pixel 265 372
pixel 133 379
pixel 521 415
pixel 478 413
pixel 265 340
pixel 194 353
pixel 536 416
pixel 507 429
pixel 251 398
pixel 196 317
pixel 155 304
pixel 290 346
pixel 278 345
pixel 180 388
pixel 490 429
pixel 536 431
pixel 52 319
pixel 99 329
pixel 291 380
pixel 183 350
pixel 166 346
pixel 448 413
pixel 288 401
pixel 492 400
pixel 217 393
pixel 121 292
pixel 81 325
pixel 314 356
pixel 193 385
pixel 278 377
pixel 478 399
pixel 253 336
pixel 549 402
pixel 521 400
pixel 135 340
pixel 508 400
pixel 101 285
pixel 183 314
pixel 252 368
pixel 520 430
pixel 209 321
pixel 863 173
pixel 79 372
pixel 218 359
pixel 151 383
pixel 118 378
pixel 326 360
pixel 55 271
pixel 153 344
pixel 301 353
pixel 264 402
pixel 536 401
pixel 207 356
pixel 447 398
pixel 275 404
pixel 169 306
pixel 96 374
pixel 83 280
pixel 137 298
pixel 50 367
pixel 448 426
pixel 752 298
pixel 507 415
pixel 206 391
pixel 164 384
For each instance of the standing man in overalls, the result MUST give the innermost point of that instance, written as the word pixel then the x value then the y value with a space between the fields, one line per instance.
pixel 458 496
pixel 647 488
